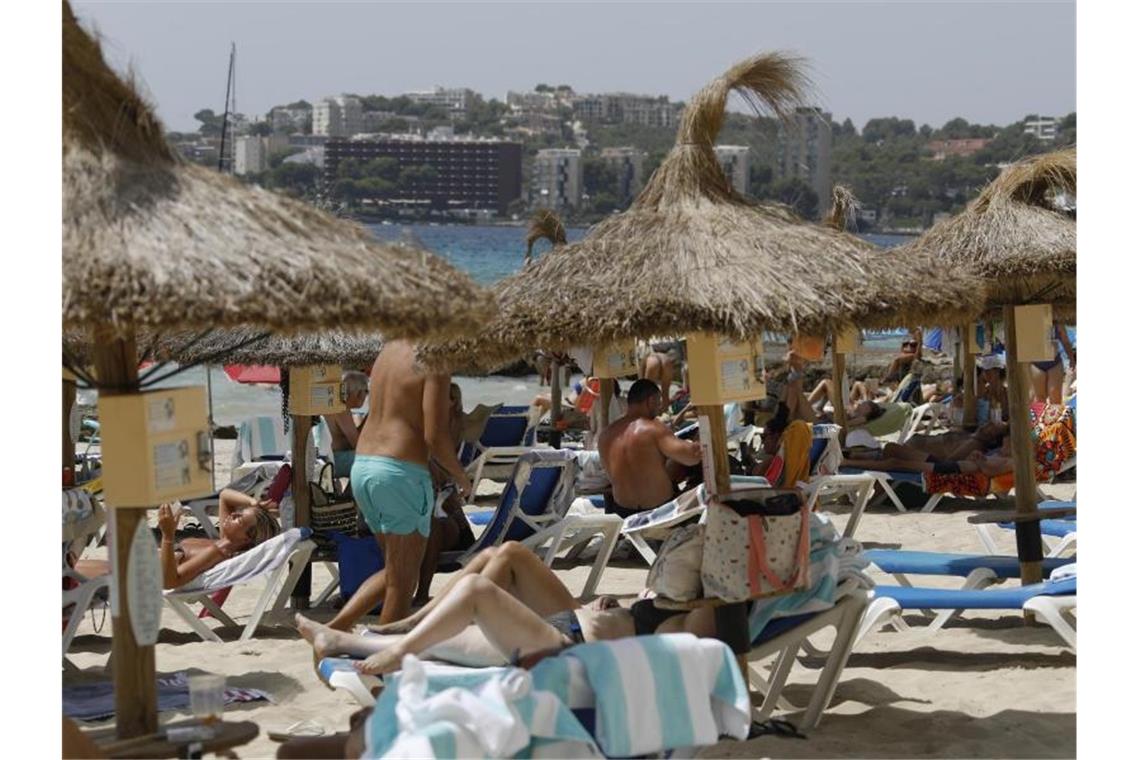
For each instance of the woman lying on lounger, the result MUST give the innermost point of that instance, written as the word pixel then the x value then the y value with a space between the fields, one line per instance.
pixel 506 603
pixel 243 522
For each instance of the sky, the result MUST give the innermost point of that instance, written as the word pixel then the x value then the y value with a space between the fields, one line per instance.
pixel 988 62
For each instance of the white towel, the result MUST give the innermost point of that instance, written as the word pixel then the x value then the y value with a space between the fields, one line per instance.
pixel 263 558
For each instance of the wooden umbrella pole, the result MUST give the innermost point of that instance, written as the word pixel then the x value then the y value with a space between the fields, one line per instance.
pixel 838 370
pixel 301 505
pixel 1021 440
pixel 969 375
pixel 715 451
pixel 136 701
pixel 607 394
pixel 555 404
pixel 68 451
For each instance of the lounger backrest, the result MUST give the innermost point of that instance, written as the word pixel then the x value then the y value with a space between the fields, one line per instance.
pixel 542 484
pixel 504 430
pixel 248 565
pixel 260 438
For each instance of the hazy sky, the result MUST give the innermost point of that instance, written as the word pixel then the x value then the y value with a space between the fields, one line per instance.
pixel 990 62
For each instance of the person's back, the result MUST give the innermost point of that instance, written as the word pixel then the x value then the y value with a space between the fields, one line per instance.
pixel 634 450
pixel 395 426
pixel 408 422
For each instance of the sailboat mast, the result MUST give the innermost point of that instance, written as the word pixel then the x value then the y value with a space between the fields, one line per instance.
pixel 225 165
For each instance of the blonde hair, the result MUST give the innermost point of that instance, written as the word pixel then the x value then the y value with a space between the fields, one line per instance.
pixel 265 528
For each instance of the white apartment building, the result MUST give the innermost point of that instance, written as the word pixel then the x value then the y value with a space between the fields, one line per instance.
pixel 1044 128
pixel 734 161
pixel 341 116
pixel 556 180
pixel 629 163
pixel 805 151
pixel 251 155
pixel 625 108
pixel 455 99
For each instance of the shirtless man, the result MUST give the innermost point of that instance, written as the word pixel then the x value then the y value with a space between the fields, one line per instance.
pixel 634 451
pixel 407 424
pixel 344 427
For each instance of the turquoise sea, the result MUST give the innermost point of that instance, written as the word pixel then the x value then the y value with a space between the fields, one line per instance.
pixel 488 253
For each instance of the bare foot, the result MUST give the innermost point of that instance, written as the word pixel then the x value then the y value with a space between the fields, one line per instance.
pixel 325 640
pixel 384 661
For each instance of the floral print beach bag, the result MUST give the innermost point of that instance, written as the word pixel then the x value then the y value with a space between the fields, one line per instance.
pixel 756 544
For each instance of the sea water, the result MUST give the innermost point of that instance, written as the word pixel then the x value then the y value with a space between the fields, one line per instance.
pixel 488 254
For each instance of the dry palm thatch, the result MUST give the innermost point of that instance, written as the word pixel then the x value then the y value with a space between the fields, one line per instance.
pixel 149 241
pixel 693 255
pixel 241 346
pixel 844 211
pixel 1014 236
pixel 545 224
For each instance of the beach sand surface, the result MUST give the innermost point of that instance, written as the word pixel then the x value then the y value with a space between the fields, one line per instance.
pixel 987 685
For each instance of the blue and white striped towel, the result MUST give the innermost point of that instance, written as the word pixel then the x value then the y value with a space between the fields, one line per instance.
pixel 481 712
pixel 656 693
pixel 833 560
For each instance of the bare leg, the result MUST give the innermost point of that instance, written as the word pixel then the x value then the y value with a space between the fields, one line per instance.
pixel 859 393
pixel 522 574
pixel 370 593
pixel 402 557
pixel 508 624
pixel 476 565
pixel 469 647
pixel 821 392
pixel 443 533
pixel 897 451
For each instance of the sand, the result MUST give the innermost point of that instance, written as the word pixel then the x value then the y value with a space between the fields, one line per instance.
pixel 985 686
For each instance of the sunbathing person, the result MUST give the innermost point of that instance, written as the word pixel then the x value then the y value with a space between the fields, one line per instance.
pixel 948 447
pixel 909 352
pixel 634 451
pixel 243 522
pixel 998 463
pixel 505 604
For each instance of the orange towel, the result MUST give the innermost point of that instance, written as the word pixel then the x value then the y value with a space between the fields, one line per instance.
pixel 797 455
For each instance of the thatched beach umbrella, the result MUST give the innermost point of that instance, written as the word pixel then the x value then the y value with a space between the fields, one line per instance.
pixel 245 345
pixel 1025 247
pixel 150 242
pixel 544 224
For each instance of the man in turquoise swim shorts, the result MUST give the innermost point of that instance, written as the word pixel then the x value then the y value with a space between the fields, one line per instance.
pixel 407 425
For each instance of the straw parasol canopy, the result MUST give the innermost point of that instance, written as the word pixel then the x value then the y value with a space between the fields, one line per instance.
pixel 691 254
pixel 844 211
pixel 545 224
pixel 1015 236
pixel 151 241
pixel 242 346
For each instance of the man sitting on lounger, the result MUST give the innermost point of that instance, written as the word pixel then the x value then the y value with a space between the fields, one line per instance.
pixel 634 451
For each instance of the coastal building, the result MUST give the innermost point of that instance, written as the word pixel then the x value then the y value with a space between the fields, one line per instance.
pixel 805 151
pixel 453 99
pixel 1044 128
pixel 629 165
pixel 465 173
pixel 626 108
pixel 251 155
pixel 556 179
pixel 940 149
pixel 735 164
pixel 341 116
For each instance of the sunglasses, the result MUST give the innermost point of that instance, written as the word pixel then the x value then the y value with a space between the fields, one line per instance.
pixel 910 343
